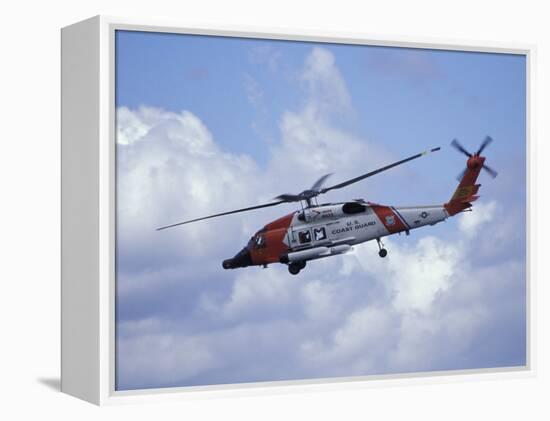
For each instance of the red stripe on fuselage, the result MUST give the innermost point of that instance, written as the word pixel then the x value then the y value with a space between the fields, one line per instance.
pixel 389 218
pixel 283 222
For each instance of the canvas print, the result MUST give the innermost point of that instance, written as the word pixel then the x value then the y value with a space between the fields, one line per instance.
pixel 310 210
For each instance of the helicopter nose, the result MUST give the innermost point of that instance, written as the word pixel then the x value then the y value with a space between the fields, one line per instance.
pixel 242 259
pixel 227 264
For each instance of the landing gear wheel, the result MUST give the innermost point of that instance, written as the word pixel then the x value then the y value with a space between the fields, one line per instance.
pixel 294 268
pixel 302 264
pixel 382 252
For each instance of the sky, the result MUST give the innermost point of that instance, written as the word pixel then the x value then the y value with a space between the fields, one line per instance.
pixel 209 124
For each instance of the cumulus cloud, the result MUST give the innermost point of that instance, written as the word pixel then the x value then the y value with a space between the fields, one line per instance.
pixel 182 320
pixel 358 346
pixel 326 86
pixel 311 143
pixel 482 213
pixel 172 172
pixel 131 127
pixel 163 359
pixel 417 273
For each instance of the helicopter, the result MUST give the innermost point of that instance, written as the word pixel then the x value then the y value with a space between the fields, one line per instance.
pixel 318 231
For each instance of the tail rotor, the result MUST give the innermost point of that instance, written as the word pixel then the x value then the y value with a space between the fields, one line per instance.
pixel 472 157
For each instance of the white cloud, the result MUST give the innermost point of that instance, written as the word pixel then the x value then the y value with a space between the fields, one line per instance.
pixel 482 212
pixel 311 147
pixel 130 127
pixel 312 144
pixel 254 293
pixel 355 347
pixel 321 301
pixel 172 172
pixel 326 86
pixel 162 358
pixel 417 273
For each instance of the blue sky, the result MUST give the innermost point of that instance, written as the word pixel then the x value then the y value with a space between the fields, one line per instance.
pixel 207 124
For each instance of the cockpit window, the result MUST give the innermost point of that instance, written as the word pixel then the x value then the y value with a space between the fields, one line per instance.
pixel 259 241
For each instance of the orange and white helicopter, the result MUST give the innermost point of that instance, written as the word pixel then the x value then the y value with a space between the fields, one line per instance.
pixel 322 230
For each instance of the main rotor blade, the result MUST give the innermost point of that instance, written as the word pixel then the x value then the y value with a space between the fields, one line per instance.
pixel 319 183
pixel 379 170
pixel 486 141
pixel 287 197
pixel 223 213
pixel 461 148
pixel 491 172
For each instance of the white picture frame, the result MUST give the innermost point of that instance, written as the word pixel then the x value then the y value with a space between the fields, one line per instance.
pixel 88 211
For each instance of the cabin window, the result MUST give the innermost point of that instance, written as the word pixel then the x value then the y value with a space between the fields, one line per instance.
pixel 319 234
pixel 304 237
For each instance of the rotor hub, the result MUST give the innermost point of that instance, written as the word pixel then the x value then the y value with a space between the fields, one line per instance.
pixel 475 162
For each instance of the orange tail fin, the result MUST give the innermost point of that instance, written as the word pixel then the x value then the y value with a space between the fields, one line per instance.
pixel 466 192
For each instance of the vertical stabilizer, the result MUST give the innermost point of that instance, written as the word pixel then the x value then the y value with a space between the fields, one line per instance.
pixel 467 189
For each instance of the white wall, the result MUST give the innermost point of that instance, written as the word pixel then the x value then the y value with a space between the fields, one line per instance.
pixel 30 187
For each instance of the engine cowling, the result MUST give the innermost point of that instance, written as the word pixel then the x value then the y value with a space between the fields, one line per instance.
pixel 332 211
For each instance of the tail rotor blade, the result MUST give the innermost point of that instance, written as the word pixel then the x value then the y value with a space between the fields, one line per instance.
pixel 460 148
pixel 491 172
pixel 484 144
pixel 461 175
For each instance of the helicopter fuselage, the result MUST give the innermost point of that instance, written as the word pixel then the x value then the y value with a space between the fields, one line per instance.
pixel 330 229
